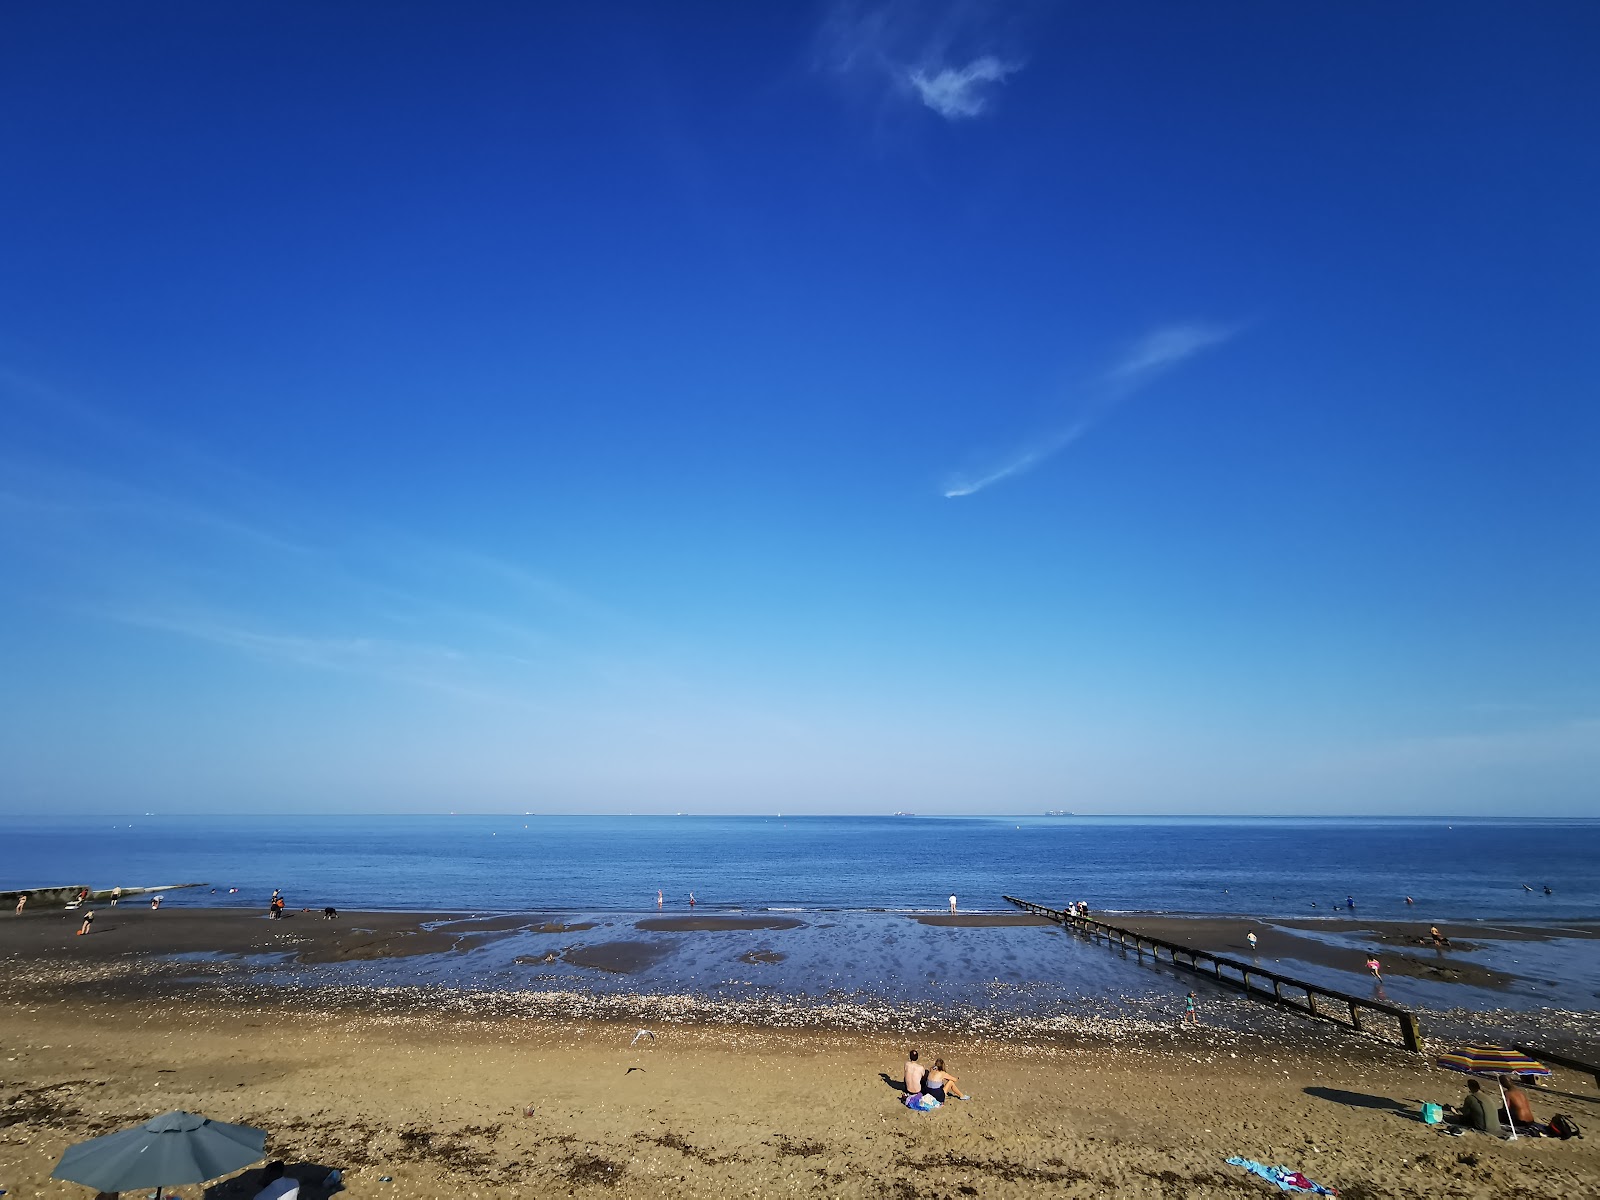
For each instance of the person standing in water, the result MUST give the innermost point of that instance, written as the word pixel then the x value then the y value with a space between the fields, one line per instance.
pixel 660 899
pixel 952 904
pixel 691 900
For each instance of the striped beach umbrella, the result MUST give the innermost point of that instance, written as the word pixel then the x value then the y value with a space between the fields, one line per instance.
pixel 1496 1062
pixel 1491 1060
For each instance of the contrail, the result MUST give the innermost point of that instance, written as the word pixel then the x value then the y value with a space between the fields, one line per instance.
pixel 1150 356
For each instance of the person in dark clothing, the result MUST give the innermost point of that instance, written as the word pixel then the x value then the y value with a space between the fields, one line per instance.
pixel 1473 1113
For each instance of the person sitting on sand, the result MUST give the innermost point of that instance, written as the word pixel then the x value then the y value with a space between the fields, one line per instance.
pixel 915 1074
pixel 278 1185
pixel 1473 1113
pixel 940 1084
pixel 1439 939
pixel 1518 1110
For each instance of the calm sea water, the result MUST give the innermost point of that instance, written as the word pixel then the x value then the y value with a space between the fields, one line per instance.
pixel 1454 869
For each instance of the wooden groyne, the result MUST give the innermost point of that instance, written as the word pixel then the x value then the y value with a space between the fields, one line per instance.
pixel 1254 981
pixel 1561 1060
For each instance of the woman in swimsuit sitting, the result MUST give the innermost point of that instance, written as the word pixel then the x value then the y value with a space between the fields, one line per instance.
pixel 939 1083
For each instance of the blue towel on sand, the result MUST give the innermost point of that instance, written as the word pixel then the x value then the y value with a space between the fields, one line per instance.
pixel 1285 1179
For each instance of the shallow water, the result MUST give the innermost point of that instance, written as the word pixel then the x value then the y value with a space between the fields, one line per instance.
pixel 883 957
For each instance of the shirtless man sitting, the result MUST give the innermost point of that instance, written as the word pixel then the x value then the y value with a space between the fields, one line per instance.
pixel 915 1073
pixel 1517 1107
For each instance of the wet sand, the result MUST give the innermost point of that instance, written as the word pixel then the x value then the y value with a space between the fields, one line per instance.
pixel 618 958
pixel 980 920
pixel 448 1105
pixel 138 929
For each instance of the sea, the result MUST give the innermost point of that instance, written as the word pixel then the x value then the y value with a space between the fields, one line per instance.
pixel 843 895
pixel 1453 869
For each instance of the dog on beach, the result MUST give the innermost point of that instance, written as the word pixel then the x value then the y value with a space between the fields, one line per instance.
pixel 329 913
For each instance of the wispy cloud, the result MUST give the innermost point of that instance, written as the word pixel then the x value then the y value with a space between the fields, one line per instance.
pixel 956 92
pixel 947 56
pixel 1140 364
pixel 1164 348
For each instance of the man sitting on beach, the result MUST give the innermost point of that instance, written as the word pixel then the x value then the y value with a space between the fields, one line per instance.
pixel 914 1074
pixel 1473 1113
pixel 1517 1110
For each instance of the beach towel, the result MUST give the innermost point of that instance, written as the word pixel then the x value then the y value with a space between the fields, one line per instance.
pixel 921 1102
pixel 1285 1179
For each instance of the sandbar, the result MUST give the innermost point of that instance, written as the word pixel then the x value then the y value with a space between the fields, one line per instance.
pixel 714 924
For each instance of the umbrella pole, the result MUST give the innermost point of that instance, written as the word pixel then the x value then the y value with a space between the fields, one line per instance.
pixel 1500 1082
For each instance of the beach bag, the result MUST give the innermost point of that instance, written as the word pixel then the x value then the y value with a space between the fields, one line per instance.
pixel 1432 1114
pixel 921 1102
pixel 1563 1127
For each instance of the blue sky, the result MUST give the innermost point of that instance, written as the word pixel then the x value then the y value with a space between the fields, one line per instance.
pixel 836 408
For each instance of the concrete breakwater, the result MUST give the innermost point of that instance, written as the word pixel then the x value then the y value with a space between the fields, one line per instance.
pixel 59 897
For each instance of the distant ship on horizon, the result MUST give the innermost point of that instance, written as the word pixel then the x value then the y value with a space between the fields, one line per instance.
pixel 904 814
pixel 1058 812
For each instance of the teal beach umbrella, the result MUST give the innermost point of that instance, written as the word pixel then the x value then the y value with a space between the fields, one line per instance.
pixel 170 1151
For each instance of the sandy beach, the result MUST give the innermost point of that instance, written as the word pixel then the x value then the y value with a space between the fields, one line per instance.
pixel 439 1105
pixel 499 1098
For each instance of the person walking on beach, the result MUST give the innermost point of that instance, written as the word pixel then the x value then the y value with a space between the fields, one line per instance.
pixel 1375 968
pixel 1191 1009
pixel 155 903
pixel 22 901
pixel 116 894
pixel 952 904
pixel 1251 938
pixel 88 920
